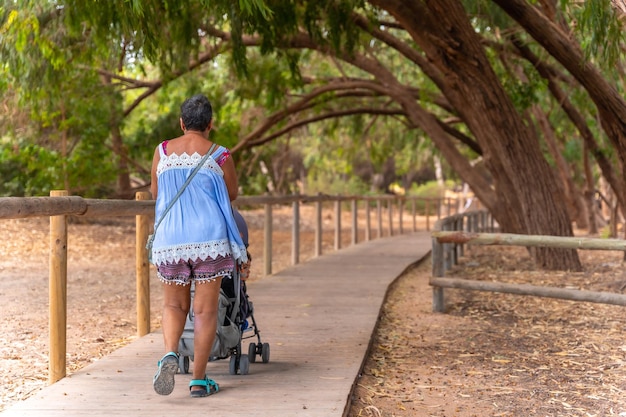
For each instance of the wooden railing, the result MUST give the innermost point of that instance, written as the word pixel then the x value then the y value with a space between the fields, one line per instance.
pixel 451 234
pixel 60 205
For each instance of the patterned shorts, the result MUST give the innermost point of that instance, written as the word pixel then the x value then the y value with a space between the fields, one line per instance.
pixel 184 272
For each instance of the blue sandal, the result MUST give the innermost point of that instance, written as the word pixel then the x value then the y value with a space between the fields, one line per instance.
pixel 209 387
pixel 163 381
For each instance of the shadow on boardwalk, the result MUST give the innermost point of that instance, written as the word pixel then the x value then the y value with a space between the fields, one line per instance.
pixel 318 318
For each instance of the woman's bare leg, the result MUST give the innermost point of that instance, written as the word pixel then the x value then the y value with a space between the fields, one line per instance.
pixel 175 308
pixel 176 301
pixel 205 306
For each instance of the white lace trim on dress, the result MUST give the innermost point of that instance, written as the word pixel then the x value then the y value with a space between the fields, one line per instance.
pixel 193 251
pixel 186 161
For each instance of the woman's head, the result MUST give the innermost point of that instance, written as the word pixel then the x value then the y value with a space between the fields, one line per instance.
pixel 196 113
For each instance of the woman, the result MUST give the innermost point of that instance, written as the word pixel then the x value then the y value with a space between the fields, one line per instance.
pixel 197 240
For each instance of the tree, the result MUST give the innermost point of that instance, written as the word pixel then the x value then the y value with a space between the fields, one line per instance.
pixel 458 74
pixel 443 31
pixel 69 108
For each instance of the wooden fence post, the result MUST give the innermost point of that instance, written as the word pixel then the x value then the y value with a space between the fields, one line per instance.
pixel 400 215
pixel 438 271
pixel 337 224
pixel 459 248
pixel 428 215
pixel 318 228
pixel 142 267
pixel 379 216
pixel 267 247
pixel 58 294
pixel 472 223
pixel 439 209
pixel 368 222
pixel 413 213
pixel 295 234
pixel 448 249
pixel 390 216
pixel 355 224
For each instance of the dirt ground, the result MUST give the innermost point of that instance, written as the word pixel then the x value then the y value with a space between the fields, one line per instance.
pixel 497 354
pixel 488 355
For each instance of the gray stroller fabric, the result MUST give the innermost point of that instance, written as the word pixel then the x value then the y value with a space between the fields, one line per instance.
pixel 228 331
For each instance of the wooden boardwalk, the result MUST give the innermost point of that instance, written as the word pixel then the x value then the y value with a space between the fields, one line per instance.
pixel 318 318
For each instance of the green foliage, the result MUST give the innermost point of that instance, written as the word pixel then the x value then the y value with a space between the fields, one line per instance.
pixel 606 233
pixel 255 183
pixel 431 191
pixel 487 16
pixel 27 169
pixel 525 93
pixel 329 21
pixel 20 31
pixel 82 112
pixel 152 122
pixel 602 31
pixel 572 150
pixel 166 32
pixel 71 66
pixel 91 172
pixel 32 170
pixel 327 183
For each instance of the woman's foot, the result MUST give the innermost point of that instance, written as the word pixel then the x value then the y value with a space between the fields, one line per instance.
pixel 202 387
pixel 163 381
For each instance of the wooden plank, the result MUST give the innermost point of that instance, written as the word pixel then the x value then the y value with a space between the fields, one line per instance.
pixel 530 240
pixel 118 208
pixel 23 207
pixel 526 289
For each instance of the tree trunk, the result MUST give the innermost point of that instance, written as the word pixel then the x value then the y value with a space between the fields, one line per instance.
pixel 124 189
pixel 590 193
pixel 64 151
pixel 589 142
pixel 608 171
pixel 523 179
pixel 610 104
pixel 575 198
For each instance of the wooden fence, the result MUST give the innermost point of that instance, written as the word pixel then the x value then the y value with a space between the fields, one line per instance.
pixel 452 233
pixel 60 205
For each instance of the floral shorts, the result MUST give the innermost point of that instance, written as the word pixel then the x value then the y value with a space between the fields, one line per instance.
pixel 184 272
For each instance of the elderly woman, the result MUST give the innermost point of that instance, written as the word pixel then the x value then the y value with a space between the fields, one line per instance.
pixel 195 240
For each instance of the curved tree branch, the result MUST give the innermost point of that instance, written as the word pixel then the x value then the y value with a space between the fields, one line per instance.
pixel 306 102
pixel 387 84
pixel 329 115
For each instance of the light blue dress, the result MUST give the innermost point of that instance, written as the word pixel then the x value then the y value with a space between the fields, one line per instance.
pixel 200 225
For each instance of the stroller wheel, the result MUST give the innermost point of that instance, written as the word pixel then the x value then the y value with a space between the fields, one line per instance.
pixel 265 352
pixel 252 352
pixel 244 365
pixel 233 365
pixel 183 364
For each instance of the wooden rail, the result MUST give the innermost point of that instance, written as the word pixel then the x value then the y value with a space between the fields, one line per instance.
pixel 60 205
pixel 452 233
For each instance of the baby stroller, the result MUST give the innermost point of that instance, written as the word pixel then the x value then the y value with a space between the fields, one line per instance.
pixel 235 323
